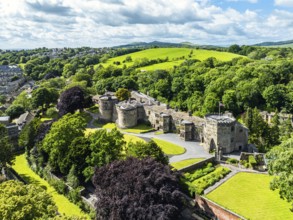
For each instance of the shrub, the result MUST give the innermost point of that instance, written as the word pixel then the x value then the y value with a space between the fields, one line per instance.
pixel 59 185
pixel 52 112
pixel 232 161
pixel 252 160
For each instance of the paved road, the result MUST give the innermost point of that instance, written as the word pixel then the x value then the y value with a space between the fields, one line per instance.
pixel 193 149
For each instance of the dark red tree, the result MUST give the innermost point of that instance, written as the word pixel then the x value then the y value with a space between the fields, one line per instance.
pixel 138 189
pixel 71 100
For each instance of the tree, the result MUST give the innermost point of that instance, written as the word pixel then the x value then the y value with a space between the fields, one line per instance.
pixel 105 147
pixel 280 166
pixel 275 96
pixel 6 154
pixel 28 133
pixel 137 189
pixel 19 201
pixel 235 48
pixel 150 149
pixel 57 141
pixel 79 148
pixel 15 111
pixel 71 100
pixel 43 96
pixel 123 94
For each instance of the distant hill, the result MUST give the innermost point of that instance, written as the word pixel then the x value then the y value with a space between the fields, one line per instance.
pixel 288 43
pixel 165 44
pixel 170 57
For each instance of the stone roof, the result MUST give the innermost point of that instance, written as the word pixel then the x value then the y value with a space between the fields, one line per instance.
pixel 108 96
pixel 220 118
pixel 129 105
pixel 186 122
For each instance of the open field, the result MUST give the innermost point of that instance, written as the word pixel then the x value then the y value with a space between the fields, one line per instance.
pixel 175 57
pixel 249 195
pixel 185 163
pixel 169 148
pixel 63 204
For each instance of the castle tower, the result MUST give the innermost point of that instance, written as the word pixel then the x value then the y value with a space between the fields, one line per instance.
pixel 127 114
pixel 106 107
pixel 187 130
pixel 220 133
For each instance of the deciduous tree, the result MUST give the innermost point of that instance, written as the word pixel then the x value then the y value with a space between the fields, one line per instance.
pixel 137 189
pixel 19 202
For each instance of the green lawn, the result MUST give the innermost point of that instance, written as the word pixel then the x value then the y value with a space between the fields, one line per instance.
pixel 141 128
pixel 64 205
pixel 184 163
pixel 46 119
pixel 175 57
pixel 169 148
pixel 249 195
pixel 129 138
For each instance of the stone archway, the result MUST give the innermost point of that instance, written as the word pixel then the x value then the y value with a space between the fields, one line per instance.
pixel 212 145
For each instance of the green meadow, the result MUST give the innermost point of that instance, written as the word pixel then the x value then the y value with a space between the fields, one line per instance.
pixel 249 195
pixel 175 57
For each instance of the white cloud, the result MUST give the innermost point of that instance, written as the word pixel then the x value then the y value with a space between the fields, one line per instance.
pixel 286 3
pixel 56 23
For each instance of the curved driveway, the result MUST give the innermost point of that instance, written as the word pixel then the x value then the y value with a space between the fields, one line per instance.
pixel 193 149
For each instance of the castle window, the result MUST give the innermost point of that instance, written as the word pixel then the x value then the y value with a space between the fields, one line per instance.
pixel 232 140
pixel 240 130
pixel 232 128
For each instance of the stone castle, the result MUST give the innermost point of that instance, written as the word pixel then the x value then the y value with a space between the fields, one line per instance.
pixel 219 133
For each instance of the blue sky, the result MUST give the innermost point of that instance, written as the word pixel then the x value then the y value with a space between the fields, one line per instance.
pixel 99 23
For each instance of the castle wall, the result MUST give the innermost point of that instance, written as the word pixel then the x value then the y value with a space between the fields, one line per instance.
pixel 141 115
pixel 210 135
pixel 241 137
pixel 226 137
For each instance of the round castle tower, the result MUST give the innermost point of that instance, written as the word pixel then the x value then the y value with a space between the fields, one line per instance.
pixel 106 106
pixel 127 114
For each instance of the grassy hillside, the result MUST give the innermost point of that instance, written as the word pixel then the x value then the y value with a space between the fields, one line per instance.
pixel 175 57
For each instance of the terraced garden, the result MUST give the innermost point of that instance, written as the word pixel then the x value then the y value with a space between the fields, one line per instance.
pixel 249 195
pixel 200 179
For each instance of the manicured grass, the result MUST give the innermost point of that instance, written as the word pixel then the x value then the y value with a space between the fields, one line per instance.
pixel 46 119
pixel 184 163
pixel 64 205
pixel 141 128
pixel 109 126
pixel 249 195
pixel 159 132
pixel 129 138
pixel 169 148
pixel 175 57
